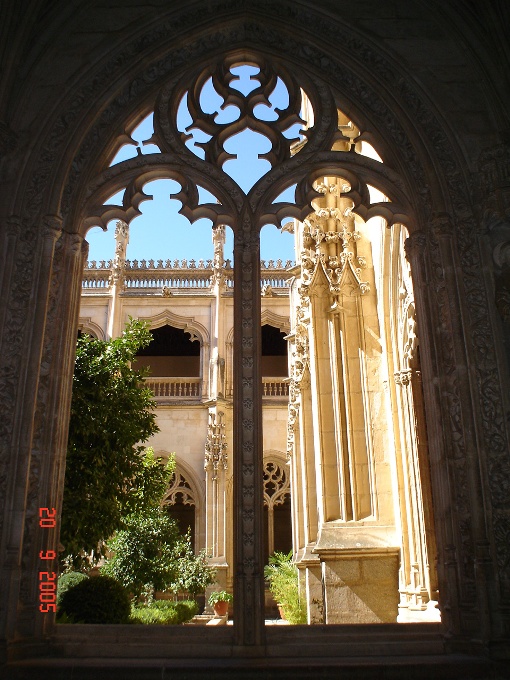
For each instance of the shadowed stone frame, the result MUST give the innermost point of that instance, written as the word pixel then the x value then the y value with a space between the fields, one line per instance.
pixel 445 256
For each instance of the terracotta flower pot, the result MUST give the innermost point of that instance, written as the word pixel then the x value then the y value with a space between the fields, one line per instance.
pixel 221 608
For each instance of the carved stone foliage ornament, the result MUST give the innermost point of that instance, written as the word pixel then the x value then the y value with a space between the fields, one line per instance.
pixel 216 445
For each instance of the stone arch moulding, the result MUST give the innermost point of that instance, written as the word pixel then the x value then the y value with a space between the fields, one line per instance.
pixel 271 319
pixel 187 323
pixel 51 187
pixel 86 325
pixel 196 331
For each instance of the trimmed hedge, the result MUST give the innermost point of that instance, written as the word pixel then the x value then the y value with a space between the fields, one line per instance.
pixel 164 612
pixel 66 581
pixel 100 599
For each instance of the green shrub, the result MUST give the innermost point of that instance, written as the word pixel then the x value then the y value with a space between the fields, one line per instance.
pixel 283 577
pixel 100 599
pixel 150 554
pixel 66 581
pixel 152 616
pixel 186 609
pixel 164 612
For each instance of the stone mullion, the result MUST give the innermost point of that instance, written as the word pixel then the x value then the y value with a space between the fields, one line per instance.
pixel 428 546
pixel 415 533
pixel 247 454
pixel 309 489
pixel 49 444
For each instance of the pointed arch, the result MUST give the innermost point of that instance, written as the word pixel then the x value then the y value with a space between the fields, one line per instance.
pixel 277 320
pixel 185 489
pixel 86 325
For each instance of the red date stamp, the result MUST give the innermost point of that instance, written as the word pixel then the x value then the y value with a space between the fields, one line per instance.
pixel 47 579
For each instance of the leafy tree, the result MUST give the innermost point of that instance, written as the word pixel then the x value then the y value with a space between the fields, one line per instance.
pixel 108 471
pixel 193 573
pixel 150 554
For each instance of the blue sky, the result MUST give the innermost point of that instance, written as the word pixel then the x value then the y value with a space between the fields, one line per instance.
pixel 160 232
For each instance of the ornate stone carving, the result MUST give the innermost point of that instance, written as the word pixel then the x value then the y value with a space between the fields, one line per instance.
pixel 276 483
pixel 179 490
pixel 491 404
pixel 216 445
pixel 494 175
pixel 119 261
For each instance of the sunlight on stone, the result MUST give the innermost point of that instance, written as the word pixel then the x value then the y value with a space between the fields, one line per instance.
pixel 140 135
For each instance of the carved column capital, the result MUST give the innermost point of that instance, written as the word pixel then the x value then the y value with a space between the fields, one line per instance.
pixel 13 225
pixel 52 227
pixel 403 377
pixel 442 226
pixel 415 244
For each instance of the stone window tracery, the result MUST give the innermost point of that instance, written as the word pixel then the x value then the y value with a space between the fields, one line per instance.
pixel 276 503
pixel 324 150
pixel 181 502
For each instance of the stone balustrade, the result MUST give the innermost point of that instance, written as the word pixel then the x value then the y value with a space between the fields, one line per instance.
pixel 160 276
pixel 175 388
pixel 275 387
pixel 191 388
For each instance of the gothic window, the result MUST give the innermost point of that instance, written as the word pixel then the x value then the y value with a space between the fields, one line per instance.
pixel 180 503
pixel 307 139
pixel 277 509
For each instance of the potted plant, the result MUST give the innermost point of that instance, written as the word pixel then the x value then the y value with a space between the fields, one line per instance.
pixel 219 601
pixel 282 576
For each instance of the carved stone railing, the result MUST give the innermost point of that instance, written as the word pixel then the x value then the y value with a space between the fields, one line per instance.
pixel 97 277
pixel 275 387
pixel 175 388
pixel 169 276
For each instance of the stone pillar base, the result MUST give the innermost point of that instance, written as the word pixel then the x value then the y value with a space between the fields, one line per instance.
pixel 311 581
pixel 360 580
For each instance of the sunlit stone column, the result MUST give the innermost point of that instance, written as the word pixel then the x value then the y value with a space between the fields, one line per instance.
pixel 117 279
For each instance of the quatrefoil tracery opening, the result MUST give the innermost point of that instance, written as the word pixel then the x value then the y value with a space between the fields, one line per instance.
pixel 307 138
